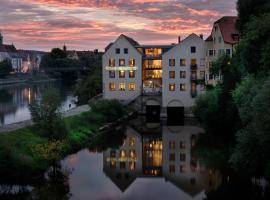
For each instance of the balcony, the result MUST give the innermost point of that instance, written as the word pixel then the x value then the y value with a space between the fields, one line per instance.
pixel 193 67
pixel 152 56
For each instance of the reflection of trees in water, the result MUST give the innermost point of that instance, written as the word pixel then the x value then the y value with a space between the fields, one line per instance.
pixel 214 152
pixel 55 186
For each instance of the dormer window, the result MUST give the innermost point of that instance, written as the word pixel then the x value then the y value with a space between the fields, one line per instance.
pixel 235 37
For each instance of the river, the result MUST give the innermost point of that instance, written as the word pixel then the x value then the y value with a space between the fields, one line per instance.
pixel 14 99
pixel 139 161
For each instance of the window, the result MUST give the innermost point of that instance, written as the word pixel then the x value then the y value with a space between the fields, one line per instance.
pixel 132 154
pixel 131 74
pixel 193 90
pixel 182 74
pixel 172 74
pixel 132 166
pixel 121 74
pixel 125 50
pixel 121 62
pixel 193 61
pixel 122 154
pixel 202 87
pixel 216 28
pixel 131 86
pixel 113 164
pixel 220 52
pixel 182 145
pixel 172 87
pixel 117 51
pixel 131 62
pixel 112 74
pixel 193 49
pixel 132 141
pixel 171 62
pixel 219 39
pixel 182 62
pixel 182 157
pixel 211 52
pixel 122 86
pixel 214 40
pixel 182 87
pixel 228 51
pixel 112 86
pixel 172 169
pixel 182 168
pixel 172 157
pixel 111 62
pixel 172 145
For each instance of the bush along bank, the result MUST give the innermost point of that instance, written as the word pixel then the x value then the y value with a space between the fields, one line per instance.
pixel 26 154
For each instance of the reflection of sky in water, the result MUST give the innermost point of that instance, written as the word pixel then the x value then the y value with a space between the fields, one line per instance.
pixel 88 181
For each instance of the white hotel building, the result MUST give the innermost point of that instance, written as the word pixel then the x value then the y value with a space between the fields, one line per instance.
pixel 175 72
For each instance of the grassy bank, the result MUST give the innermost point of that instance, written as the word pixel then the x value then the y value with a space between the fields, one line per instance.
pixel 18 158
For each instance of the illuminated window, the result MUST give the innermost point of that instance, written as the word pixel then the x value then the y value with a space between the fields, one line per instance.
pixel 111 62
pixel 172 74
pixel 193 61
pixel 131 86
pixel 125 50
pixel 121 74
pixel 122 153
pixel 132 141
pixel 112 74
pixel 131 62
pixel 112 86
pixel 172 169
pixel 182 157
pixel 182 87
pixel 132 154
pixel 182 168
pixel 117 51
pixel 182 74
pixel 193 88
pixel 172 145
pixel 182 145
pixel 121 62
pixel 131 74
pixel 122 165
pixel 122 86
pixel 172 157
pixel 171 62
pixel 183 62
pixel 193 49
pixel 112 154
pixel 113 164
pixel 132 166
pixel 172 87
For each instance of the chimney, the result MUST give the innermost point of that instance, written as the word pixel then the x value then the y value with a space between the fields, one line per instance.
pixel 179 39
pixel 201 36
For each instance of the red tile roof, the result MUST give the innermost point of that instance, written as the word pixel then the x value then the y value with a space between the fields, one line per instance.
pixel 228 29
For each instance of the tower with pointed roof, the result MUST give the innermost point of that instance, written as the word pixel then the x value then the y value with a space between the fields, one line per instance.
pixel 1 38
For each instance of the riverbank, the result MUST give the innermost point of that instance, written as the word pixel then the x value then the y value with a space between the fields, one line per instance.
pixel 19 159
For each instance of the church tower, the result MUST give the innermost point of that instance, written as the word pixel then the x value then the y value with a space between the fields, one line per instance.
pixel 1 38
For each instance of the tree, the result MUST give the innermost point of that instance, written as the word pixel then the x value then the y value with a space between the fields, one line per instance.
pixel 46 115
pixel 5 68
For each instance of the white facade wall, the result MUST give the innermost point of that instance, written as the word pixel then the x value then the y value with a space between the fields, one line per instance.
pixel 122 43
pixel 182 51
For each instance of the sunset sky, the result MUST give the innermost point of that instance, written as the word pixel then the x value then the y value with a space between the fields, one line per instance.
pixel 90 24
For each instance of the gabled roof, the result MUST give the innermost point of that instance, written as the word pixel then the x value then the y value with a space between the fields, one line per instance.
pixel 131 40
pixel 7 48
pixel 227 27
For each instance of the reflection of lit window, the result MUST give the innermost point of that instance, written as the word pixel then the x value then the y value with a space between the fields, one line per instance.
pixel 172 145
pixel 172 157
pixel 182 87
pixel 131 74
pixel 132 154
pixel 122 86
pixel 182 168
pixel 111 62
pixel 112 86
pixel 112 164
pixel 172 87
pixel 131 86
pixel 182 157
pixel 182 145
pixel 132 166
pixel 131 62
pixel 182 74
pixel 122 165
pixel 171 62
pixel 121 62
pixel 121 74
pixel 112 154
pixel 172 74
pixel 172 169
pixel 112 74
pixel 182 62
pixel 122 153
pixel 132 141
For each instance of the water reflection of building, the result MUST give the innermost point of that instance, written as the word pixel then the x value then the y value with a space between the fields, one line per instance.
pixel 168 154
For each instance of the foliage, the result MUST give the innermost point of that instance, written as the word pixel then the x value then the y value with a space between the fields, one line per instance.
pixel 5 68
pixel 46 115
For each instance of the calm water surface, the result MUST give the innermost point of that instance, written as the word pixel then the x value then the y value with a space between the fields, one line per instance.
pixel 14 100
